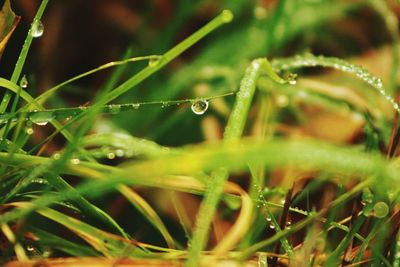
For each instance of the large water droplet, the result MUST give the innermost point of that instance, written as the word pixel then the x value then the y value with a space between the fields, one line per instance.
pixel 23 82
pixel 41 117
pixel 199 107
pixel 37 29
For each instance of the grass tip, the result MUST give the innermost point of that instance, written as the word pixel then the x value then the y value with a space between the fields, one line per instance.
pixel 227 16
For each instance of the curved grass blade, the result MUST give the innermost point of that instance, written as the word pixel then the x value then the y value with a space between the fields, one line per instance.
pixel 309 60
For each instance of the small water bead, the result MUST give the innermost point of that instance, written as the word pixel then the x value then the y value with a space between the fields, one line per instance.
pixel 381 209
pixel 75 161
pixel 115 109
pixel 268 219
pixel 271 226
pixel 199 107
pixel 29 131
pixel 135 106
pixel 30 248
pixel 111 155
pixel 57 156
pixel 41 118
pixel 37 29
pixel 23 82
pixel 119 153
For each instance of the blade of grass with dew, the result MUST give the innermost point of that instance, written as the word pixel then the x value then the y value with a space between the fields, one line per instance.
pixel 300 225
pixel 61 244
pixel 391 22
pixel 106 243
pixel 309 60
pixel 225 17
pixel 43 97
pixel 228 51
pixel 207 157
pixel 105 97
pixel 233 132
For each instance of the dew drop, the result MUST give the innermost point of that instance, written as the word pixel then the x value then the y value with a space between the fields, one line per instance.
pixel 75 161
pixel 119 153
pixel 115 109
pixel 199 107
pixel 111 155
pixel 23 82
pixel 29 131
pixel 30 248
pixel 37 29
pixel 41 118
pixel 56 156
pixel 381 209
pixel 271 226
pixel 268 219
pixel 135 106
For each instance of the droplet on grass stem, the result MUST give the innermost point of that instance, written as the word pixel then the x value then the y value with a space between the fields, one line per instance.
pixel 199 107
pixel 37 29
pixel 23 82
pixel 41 118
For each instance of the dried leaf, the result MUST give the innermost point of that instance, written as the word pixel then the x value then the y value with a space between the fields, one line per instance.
pixel 8 23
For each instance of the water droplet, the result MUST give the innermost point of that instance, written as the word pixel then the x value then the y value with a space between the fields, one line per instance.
pixel 268 219
pixel 110 155
pixel 288 223
pixel 381 209
pixel 154 61
pixel 271 226
pixel 115 109
pixel 119 153
pixel 56 156
pixel 29 131
pixel 30 248
pixel 37 29
pixel 200 107
pixel 135 106
pixel 23 82
pixel 41 117
pixel 75 161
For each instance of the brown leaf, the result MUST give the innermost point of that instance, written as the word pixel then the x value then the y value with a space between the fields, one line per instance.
pixel 8 23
